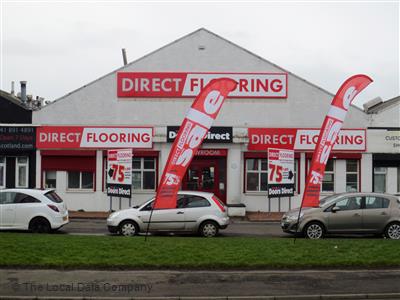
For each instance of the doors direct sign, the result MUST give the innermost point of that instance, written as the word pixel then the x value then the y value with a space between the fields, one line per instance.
pixel 73 137
pixel 261 139
pixel 215 135
pixel 119 173
pixel 181 85
pixel 280 173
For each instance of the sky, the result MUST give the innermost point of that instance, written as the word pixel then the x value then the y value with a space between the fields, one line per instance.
pixel 58 47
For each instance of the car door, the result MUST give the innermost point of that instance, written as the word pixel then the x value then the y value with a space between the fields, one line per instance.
pixel 26 207
pixel 376 213
pixel 7 210
pixel 195 208
pixel 349 216
pixel 171 219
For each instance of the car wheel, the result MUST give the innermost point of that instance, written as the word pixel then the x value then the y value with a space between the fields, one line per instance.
pixel 39 225
pixel 128 228
pixel 209 229
pixel 392 231
pixel 314 231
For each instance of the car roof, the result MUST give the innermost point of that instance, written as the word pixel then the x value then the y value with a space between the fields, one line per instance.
pixel 204 194
pixel 32 192
pixel 354 194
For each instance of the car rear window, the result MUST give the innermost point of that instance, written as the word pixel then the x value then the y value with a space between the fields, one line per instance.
pixel 53 196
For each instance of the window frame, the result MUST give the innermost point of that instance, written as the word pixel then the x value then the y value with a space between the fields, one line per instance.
pixel 44 179
pixel 80 181
pixel 384 172
pixel 352 172
pixel 142 170
pixel 259 171
pixel 17 172
pixel 3 164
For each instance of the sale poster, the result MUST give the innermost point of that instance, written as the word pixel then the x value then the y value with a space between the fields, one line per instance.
pixel 280 173
pixel 119 173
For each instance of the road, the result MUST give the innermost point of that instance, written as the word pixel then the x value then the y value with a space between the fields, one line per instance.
pixel 237 228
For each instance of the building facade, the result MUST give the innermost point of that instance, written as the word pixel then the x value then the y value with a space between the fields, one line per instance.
pixel 141 105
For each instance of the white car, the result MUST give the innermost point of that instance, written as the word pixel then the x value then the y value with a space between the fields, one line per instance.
pixel 32 209
pixel 198 212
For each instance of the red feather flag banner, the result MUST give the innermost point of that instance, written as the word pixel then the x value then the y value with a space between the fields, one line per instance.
pixel 192 132
pixel 327 137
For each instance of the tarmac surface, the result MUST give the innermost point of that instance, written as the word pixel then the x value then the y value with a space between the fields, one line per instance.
pixel 359 284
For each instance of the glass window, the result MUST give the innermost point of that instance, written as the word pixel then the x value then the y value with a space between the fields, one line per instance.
pixel 352 175
pixel 398 179
pixel 2 172
pixel 144 173
pixel 7 197
pixel 256 174
pixel 376 202
pixel 80 180
pixel 328 182
pixel 350 203
pixel 380 180
pixel 196 201
pixel 21 166
pixel 50 181
pixel 53 196
pixel 23 198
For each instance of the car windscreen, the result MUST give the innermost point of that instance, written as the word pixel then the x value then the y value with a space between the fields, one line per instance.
pixel 53 196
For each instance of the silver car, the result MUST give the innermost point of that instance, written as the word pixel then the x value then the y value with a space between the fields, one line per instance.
pixel 198 212
pixel 370 213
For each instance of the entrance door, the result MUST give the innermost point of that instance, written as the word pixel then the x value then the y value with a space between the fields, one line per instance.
pixel 202 175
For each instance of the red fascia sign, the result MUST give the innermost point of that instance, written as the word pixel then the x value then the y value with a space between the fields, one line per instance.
pixel 261 139
pixel 76 137
pixel 189 85
pixel 212 152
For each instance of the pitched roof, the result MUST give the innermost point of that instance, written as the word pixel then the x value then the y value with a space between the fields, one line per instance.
pixel 381 106
pixel 11 98
pixel 177 41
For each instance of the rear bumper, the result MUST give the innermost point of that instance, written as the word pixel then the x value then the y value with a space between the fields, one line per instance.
pixel 59 222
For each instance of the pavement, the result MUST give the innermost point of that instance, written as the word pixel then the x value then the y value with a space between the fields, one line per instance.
pixel 176 284
pixel 250 216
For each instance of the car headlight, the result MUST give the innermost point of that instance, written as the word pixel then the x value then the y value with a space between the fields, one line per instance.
pixel 294 217
pixel 112 216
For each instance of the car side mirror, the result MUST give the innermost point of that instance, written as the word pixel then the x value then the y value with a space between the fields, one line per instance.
pixel 335 209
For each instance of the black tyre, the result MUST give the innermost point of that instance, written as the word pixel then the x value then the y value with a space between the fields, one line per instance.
pixel 314 231
pixel 128 228
pixel 39 225
pixel 208 229
pixel 392 231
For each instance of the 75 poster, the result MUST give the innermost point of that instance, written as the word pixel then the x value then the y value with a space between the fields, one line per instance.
pixel 119 173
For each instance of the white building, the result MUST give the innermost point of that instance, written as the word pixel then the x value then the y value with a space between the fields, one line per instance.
pixel 276 109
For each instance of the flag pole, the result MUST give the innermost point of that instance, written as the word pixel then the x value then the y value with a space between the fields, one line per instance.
pixel 148 224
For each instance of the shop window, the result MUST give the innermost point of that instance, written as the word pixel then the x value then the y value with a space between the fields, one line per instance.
pixel 50 181
pixel 380 179
pixel 2 172
pixel 328 182
pixel 21 167
pixel 80 180
pixel 256 174
pixel 352 170
pixel 143 173
pixel 398 179
pixel 296 167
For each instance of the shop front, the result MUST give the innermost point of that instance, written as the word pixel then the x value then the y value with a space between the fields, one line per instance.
pixel 269 107
pixel 17 157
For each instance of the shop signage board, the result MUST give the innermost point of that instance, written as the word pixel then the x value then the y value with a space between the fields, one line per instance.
pixel 119 173
pixel 381 140
pixel 189 85
pixel 280 173
pixel 260 139
pixel 216 135
pixel 75 137
pixel 17 138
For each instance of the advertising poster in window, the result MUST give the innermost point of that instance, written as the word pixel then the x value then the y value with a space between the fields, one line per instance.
pixel 119 173
pixel 280 173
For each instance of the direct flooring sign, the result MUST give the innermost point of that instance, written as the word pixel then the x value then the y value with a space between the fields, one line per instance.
pixel 119 173
pixel 280 173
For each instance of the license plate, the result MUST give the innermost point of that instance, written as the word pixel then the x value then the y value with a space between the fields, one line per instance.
pixel 65 218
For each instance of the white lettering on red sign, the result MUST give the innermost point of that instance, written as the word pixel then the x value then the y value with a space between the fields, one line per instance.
pixel 159 85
